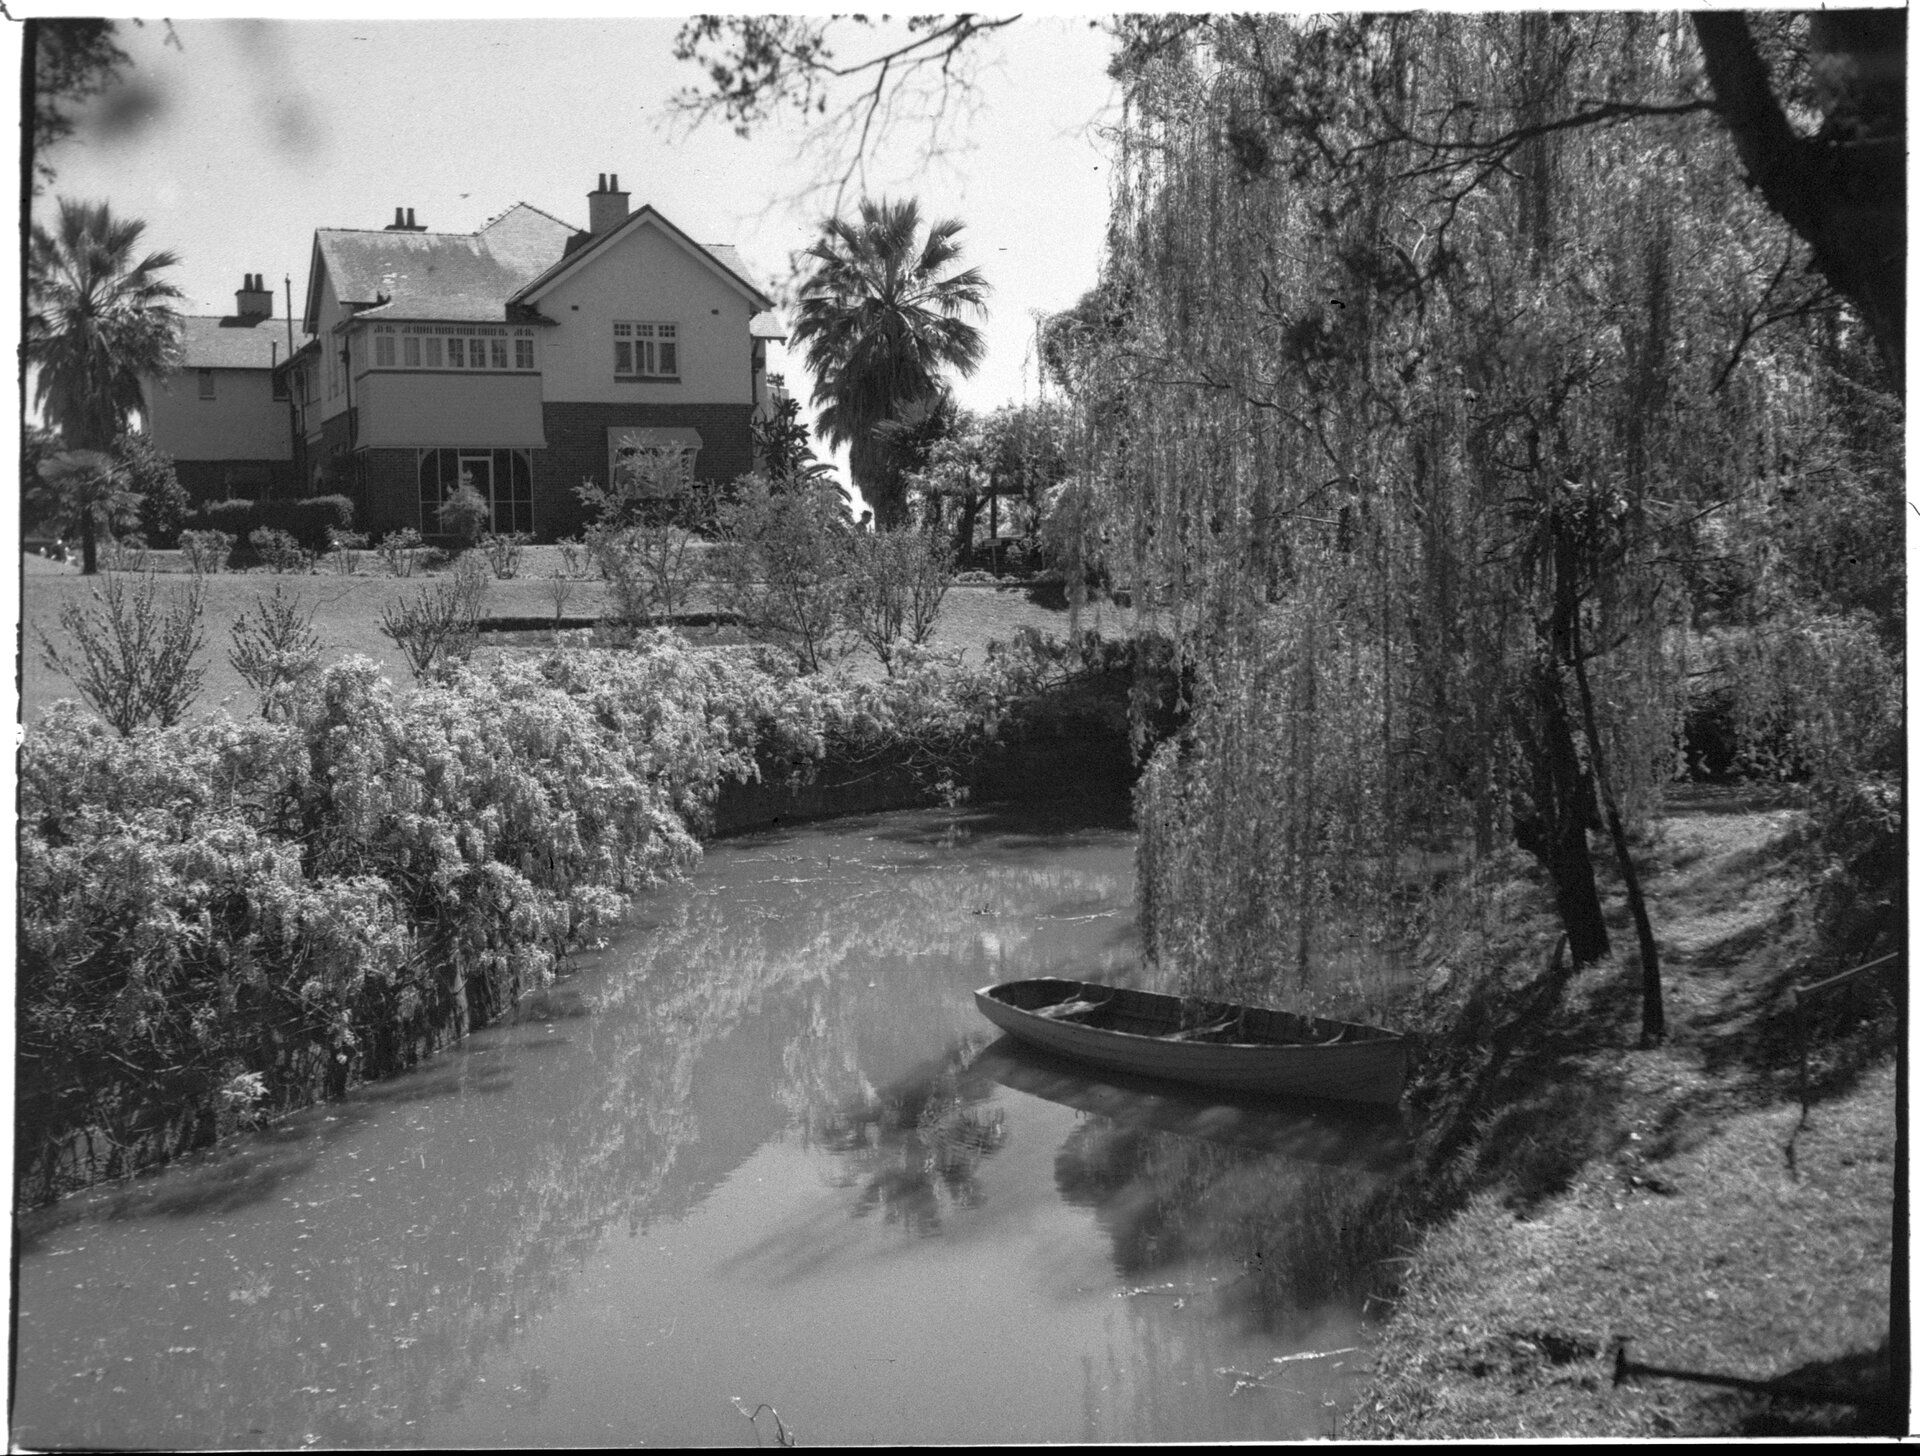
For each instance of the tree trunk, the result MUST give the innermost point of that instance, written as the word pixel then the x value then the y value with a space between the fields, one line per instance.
pixel 1653 1013
pixel 1844 193
pixel 1555 831
pixel 89 545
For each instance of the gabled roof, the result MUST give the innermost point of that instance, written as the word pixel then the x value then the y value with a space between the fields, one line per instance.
pixel 232 343
pixel 466 277
pixel 720 257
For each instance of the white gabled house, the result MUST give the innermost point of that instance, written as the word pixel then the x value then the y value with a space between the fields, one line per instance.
pixel 520 357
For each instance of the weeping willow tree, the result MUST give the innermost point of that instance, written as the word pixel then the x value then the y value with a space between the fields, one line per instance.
pixel 1415 398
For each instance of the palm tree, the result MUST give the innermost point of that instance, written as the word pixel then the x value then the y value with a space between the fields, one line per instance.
pixel 881 325
pixel 85 491
pixel 97 321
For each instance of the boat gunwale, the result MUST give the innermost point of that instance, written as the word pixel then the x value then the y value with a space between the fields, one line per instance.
pixel 1375 1036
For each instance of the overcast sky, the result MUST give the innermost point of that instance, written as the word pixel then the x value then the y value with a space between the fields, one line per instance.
pixel 242 137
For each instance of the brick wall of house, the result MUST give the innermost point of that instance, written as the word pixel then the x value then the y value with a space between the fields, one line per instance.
pixel 577 450
pixel 389 492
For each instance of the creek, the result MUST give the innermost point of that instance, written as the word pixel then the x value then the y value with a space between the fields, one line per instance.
pixel 759 1150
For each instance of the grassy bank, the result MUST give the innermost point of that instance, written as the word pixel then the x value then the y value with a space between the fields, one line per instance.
pixel 1581 1191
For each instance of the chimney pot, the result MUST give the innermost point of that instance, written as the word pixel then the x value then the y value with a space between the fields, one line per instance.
pixel 606 206
pixel 410 222
pixel 399 218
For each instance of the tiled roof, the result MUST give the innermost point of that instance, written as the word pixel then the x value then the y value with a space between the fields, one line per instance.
pixel 232 343
pixel 466 277
pixel 462 276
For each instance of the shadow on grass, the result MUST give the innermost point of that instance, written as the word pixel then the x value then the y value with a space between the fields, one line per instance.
pixel 1868 1402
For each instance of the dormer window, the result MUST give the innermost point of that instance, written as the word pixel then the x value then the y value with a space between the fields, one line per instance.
pixel 646 351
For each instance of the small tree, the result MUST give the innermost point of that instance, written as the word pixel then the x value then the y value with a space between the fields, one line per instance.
pixel 132 657
pixel 441 624
pixel 896 583
pixel 275 647
pixel 643 535
pixel 464 514
pixel 781 564
pixel 85 492
pixel 150 475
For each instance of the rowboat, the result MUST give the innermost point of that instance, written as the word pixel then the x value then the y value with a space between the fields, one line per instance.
pixel 1208 1043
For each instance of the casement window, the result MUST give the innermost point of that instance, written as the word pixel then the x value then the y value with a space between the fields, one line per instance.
pixel 206 383
pixel 279 385
pixel 646 351
pixel 453 346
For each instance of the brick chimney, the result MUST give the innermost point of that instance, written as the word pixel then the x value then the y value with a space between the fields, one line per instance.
pixel 252 299
pixel 606 206
pixel 403 222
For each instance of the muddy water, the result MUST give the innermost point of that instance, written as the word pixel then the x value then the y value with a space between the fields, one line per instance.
pixel 758 1154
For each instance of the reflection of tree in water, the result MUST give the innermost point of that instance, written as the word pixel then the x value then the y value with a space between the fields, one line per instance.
pixel 915 1149
pixel 1167 1200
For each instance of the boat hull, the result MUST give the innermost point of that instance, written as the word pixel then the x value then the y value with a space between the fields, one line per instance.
pixel 1252 1049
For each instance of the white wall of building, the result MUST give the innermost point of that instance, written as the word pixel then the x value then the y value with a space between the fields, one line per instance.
pixel 646 277
pixel 447 409
pixel 243 421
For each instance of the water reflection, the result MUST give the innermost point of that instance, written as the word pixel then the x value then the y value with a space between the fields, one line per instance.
pixel 762 1121
pixel 914 1150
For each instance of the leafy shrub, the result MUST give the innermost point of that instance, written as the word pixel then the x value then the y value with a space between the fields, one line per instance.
pixel 576 558
pixel 128 552
pixel 344 548
pixel 275 648
pixel 503 552
pixel 399 551
pixel 307 520
pixel 206 551
pixel 440 624
pixel 151 476
pixel 132 656
pixel 464 515
pixel 278 550
pixel 559 589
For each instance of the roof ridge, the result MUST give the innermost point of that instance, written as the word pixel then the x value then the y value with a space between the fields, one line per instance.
pixel 559 221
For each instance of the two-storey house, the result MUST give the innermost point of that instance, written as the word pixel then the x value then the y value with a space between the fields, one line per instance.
pixel 223 415
pixel 522 358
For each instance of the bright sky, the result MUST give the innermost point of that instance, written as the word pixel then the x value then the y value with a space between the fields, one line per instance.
pixel 247 135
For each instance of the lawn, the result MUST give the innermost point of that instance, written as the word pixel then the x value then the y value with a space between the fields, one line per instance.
pixel 347 611
pixel 1672 1197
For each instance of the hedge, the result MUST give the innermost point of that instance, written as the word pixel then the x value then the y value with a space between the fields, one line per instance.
pixel 307 520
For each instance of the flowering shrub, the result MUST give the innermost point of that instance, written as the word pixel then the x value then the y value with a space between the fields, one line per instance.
pixel 223 914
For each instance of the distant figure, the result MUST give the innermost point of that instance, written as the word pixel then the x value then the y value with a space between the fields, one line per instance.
pixel 866 520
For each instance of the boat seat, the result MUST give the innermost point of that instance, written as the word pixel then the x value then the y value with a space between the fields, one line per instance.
pixel 1068 1010
pixel 1201 1033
